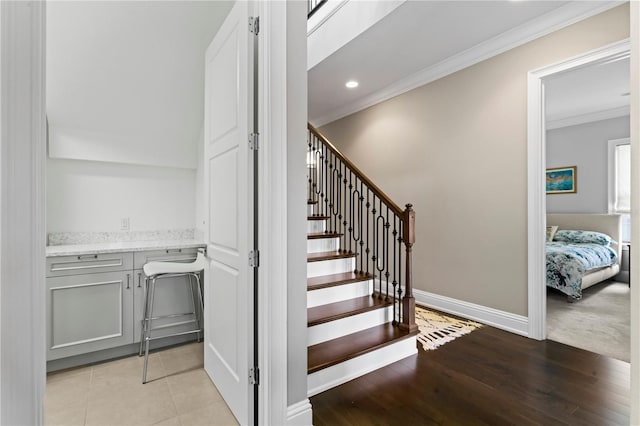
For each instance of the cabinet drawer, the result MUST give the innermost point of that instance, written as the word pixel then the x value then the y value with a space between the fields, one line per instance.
pixel 88 264
pixel 167 255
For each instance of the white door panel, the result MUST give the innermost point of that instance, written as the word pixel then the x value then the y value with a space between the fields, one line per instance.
pixel 229 216
pixel 223 184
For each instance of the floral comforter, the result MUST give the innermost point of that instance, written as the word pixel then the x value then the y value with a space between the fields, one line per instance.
pixel 567 263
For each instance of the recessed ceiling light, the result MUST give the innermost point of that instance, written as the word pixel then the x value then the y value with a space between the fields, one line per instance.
pixel 351 84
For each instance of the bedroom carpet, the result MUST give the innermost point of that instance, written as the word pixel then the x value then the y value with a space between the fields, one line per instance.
pixel 599 323
pixel 436 328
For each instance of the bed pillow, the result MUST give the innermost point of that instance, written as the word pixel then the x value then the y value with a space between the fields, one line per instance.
pixel 584 237
pixel 551 232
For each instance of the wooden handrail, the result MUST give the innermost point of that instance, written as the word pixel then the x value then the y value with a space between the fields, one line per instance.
pixel 374 188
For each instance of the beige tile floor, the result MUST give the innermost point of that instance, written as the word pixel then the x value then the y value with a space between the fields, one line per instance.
pixel 178 392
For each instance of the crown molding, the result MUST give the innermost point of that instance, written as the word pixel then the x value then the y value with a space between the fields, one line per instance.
pixel 555 20
pixel 587 117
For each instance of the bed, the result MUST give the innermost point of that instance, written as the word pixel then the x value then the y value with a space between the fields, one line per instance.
pixel 576 261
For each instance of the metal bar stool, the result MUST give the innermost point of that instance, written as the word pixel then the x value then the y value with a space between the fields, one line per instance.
pixel 158 270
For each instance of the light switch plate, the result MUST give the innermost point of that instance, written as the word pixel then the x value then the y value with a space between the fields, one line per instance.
pixel 124 224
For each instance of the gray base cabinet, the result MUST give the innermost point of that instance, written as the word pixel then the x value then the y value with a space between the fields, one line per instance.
pixel 95 302
pixel 89 313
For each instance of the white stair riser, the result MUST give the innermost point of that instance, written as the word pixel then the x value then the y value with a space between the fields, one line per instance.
pixel 318 245
pixel 338 293
pixel 315 226
pixel 330 377
pixel 338 328
pixel 329 267
pixel 311 209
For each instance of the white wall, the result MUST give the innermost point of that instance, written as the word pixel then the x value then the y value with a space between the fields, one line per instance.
pixel 584 146
pixel 87 196
pixel 125 79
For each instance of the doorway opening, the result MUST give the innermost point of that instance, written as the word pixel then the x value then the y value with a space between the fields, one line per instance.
pixel 538 128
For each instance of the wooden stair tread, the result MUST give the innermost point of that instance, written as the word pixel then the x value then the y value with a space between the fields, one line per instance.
pixel 345 308
pixel 321 235
pixel 324 281
pixel 311 203
pixel 328 255
pixel 343 348
pixel 317 217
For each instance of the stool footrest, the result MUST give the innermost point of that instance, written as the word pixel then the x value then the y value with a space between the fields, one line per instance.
pixel 173 324
pixel 184 333
pixel 172 316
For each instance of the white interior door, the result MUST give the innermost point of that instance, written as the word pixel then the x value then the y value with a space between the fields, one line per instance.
pixel 228 352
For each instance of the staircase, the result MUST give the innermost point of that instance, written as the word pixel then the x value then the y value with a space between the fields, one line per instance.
pixel 360 310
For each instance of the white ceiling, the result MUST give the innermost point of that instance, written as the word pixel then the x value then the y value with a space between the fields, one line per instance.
pixel 131 72
pixel 593 89
pixel 417 36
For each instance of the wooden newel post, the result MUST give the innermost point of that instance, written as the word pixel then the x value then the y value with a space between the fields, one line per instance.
pixel 408 301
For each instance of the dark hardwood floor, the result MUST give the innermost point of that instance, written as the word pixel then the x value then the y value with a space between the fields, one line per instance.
pixel 488 377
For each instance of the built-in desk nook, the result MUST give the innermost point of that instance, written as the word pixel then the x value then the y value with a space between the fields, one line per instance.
pixel 95 298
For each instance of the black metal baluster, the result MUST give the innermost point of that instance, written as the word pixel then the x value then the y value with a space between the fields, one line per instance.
pixel 400 241
pixel 395 266
pixel 325 178
pixel 361 223
pixel 337 195
pixel 330 191
pixel 386 254
pixel 368 205
pixel 374 242
pixel 352 207
pixel 314 173
pixel 314 160
pixel 343 213
pixel 309 177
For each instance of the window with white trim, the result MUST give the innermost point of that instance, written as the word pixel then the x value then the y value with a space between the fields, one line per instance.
pixel 620 183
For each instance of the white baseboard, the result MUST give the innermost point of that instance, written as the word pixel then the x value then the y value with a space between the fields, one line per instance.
pixel 507 321
pixel 300 414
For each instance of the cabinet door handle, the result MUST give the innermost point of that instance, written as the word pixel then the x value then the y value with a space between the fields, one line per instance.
pixel 87 256
pixel 174 250
pixel 128 281
pixel 139 277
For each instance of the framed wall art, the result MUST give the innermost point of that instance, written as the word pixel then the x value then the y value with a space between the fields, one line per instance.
pixel 562 180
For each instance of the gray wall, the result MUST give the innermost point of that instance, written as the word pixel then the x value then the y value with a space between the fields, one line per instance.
pixel 457 149
pixel 584 146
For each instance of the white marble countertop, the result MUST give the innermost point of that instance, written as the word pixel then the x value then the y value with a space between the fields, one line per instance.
pixel 113 247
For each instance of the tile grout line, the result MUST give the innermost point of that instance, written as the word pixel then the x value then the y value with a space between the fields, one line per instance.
pixel 86 404
pixel 170 390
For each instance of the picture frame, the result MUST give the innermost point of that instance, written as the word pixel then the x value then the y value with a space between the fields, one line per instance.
pixel 562 180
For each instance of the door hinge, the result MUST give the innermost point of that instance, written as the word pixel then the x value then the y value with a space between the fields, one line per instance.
pixel 254 141
pixel 254 376
pixel 254 25
pixel 254 258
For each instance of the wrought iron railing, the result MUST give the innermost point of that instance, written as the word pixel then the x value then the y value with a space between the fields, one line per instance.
pixel 370 224
pixel 313 6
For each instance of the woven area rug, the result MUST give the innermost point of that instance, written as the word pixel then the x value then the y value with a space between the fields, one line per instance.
pixel 436 329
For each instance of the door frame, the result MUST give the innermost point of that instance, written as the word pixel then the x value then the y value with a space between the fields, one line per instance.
pixel 22 212
pixel 536 163
pixel 23 29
